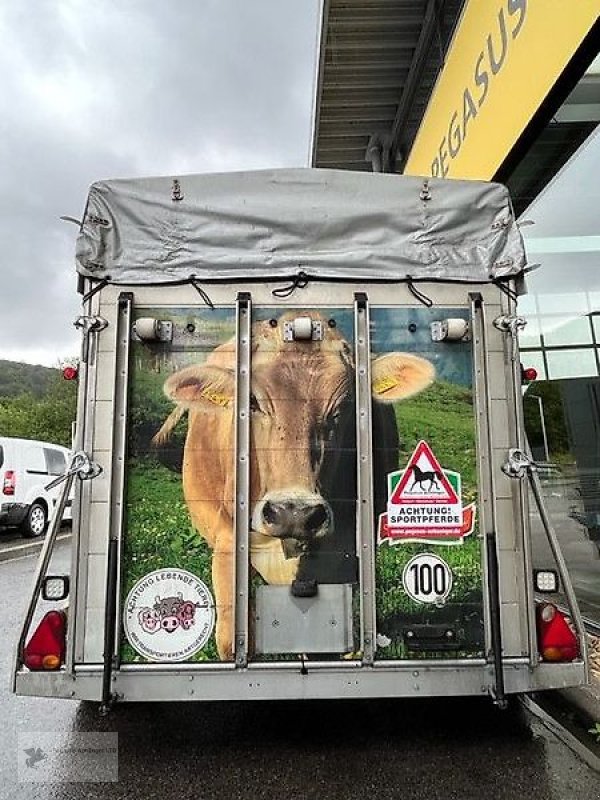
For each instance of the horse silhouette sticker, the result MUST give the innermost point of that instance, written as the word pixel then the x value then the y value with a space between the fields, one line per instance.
pixel 425 504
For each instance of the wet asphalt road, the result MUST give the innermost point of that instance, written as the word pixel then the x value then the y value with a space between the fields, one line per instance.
pixel 435 750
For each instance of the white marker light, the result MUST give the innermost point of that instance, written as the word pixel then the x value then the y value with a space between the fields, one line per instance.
pixel 546 581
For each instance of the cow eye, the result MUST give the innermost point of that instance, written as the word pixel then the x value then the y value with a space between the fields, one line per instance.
pixel 329 425
pixel 254 405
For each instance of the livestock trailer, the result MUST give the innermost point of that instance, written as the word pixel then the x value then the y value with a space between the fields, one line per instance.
pixel 301 469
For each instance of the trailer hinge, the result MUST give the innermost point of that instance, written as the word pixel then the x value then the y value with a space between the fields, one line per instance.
pixel 510 323
pixel 518 464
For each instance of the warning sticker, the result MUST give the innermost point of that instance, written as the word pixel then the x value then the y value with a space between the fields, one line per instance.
pixel 424 503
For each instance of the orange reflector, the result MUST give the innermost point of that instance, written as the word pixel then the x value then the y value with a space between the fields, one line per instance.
pixel 51 662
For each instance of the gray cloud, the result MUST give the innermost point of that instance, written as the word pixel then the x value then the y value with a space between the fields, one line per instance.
pixel 94 91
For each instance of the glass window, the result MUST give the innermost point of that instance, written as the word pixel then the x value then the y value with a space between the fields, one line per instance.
pixel 594 301
pixel 1 455
pixel 571 363
pixel 530 335
pixel 535 359
pixel 566 330
pixel 527 305
pixel 56 463
pixel 34 460
pixel 576 302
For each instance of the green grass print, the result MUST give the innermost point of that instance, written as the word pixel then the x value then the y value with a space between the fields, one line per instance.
pixel 159 532
pixel 443 417
pixel 159 535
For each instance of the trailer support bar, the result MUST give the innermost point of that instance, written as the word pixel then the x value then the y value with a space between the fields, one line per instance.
pixel 242 477
pixel 118 494
pixel 364 451
pixel 490 515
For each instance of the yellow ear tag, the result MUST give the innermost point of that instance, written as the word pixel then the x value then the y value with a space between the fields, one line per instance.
pixel 383 384
pixel 213 397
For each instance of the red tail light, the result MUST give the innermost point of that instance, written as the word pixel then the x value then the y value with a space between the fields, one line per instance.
pixel 46 648
pixel 556 640
pixel 9 482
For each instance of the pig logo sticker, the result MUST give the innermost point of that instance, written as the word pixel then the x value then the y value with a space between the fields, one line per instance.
pixel 169 615
pixel 425 504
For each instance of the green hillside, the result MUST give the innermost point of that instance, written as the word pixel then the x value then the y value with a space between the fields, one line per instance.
pixel 36 403
pixel 17 378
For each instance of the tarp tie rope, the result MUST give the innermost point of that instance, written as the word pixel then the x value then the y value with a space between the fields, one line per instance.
pixel 422 298
pixel 201 292
pixel 299 281
pixel 506 290
pixel 95 289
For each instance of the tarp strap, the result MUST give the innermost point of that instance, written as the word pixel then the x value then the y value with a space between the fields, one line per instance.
pixel 95 289
pixel 201 292
pixel 506 290
pixel 422 298
pixel 299 281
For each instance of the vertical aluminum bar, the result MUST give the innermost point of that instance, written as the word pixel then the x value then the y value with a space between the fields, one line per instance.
pixel 78 444
pixel 490 518
pixel 241 519
pixel 364 456
pixel 118 478
pixel 79 562
pixel 523 499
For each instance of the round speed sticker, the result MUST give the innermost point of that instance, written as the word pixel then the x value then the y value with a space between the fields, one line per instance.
pixel 427 578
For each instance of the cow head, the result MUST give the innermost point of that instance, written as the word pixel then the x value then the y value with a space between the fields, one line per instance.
pixel 302 410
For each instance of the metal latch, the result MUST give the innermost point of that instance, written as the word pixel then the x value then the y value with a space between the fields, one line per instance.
pixel 303 329
pixel 510 323
pixel 89 324
pixel 82 465
pixel 518 464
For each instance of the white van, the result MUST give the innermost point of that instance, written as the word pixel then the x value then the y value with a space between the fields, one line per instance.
pixel 26 468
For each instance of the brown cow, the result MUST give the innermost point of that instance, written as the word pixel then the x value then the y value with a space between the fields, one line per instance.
pixel 299 405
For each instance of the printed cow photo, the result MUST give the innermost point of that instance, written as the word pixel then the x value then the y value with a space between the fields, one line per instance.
pixel 302 459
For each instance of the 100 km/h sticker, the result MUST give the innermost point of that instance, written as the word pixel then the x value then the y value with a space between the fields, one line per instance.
pixel 427 579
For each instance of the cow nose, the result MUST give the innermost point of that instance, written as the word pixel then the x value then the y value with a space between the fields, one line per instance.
pixel 295 518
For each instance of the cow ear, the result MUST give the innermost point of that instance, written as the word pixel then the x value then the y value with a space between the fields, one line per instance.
pixel 208 386
pixel 396 376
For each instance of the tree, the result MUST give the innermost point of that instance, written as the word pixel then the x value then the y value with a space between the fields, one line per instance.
pixel 48 418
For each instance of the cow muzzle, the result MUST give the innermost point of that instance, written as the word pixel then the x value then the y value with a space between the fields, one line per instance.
pixel 297 518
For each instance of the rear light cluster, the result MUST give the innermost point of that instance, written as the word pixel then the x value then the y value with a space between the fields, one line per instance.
pixel 528 374
pixel 556 640
pixel 46 648
pixel 9 482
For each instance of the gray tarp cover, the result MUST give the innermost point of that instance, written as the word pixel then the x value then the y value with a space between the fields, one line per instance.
pixel 275 223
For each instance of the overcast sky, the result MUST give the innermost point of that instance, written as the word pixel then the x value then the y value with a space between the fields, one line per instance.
pixel 103 90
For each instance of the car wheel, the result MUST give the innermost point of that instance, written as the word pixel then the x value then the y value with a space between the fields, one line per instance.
pixel 36 521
